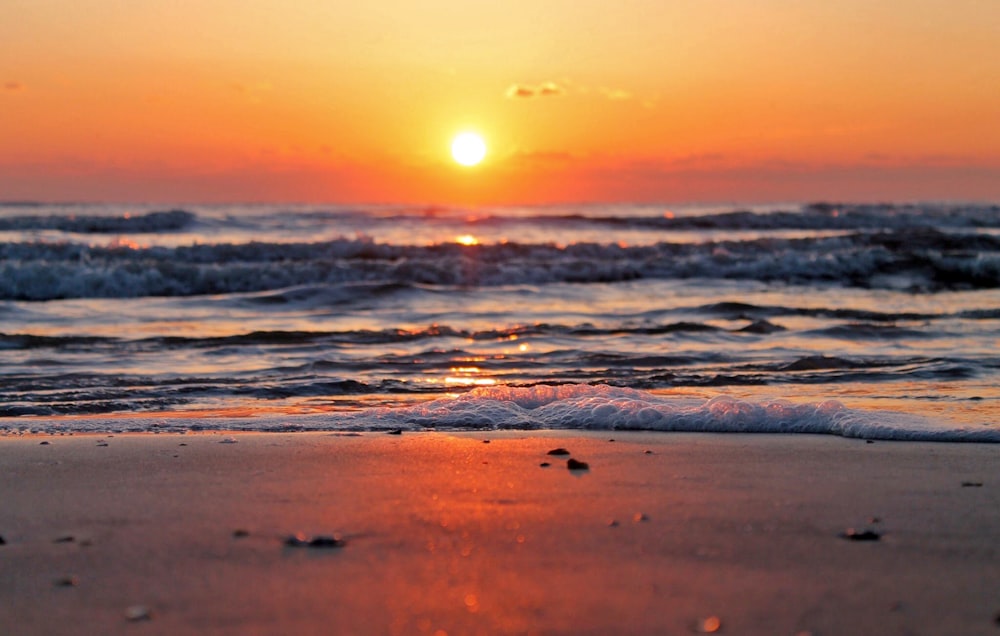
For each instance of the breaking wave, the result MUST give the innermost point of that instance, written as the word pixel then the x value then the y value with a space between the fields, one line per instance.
pixel 921 260
pixel 584 407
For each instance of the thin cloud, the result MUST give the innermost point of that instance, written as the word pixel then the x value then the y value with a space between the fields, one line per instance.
pixel 616 94
pixel 527 91
pixel 519 90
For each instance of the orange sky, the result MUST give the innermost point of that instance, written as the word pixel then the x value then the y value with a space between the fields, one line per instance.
pixel 579 100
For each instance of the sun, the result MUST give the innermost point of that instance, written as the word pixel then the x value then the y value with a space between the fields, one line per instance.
pixel 468 148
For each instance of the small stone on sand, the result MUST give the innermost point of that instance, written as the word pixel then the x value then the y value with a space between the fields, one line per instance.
pixel 326 541
pixel 558 451
pixel 972 484
pixel 573 464
pixel 397 431
pixel 860 535
pixel 2 540
pixel 43 443
pixel 545 464
pixel 138 613
pixel 65 539
pixel 229 440
pixel 66 581
pixel 240 533
pixel 299 540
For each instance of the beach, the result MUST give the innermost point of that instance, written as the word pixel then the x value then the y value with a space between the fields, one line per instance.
pixel 468 533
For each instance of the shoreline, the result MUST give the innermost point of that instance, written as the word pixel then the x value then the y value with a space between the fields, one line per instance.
pixel 445 533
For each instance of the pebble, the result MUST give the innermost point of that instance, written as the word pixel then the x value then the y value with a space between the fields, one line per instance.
pixel 66 581
pixel 65 539
pixel 299 540
pixel 138 613
pixel 545 464
pixel 240 533
pixel 43 443
pixel 573 464
pixel 229 440
pixel 860 535
pixel 397 431
pixel 639 516
pixel 972 484
pixel 558 451
pixel 2 540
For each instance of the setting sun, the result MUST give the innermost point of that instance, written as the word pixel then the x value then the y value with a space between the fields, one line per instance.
pixel 468 149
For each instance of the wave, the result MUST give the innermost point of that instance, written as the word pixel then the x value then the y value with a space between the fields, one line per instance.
pixel 913 260
pixel 813 217
pixel 816 216
pixel 584 407
pixel 165 221
pixel 579 407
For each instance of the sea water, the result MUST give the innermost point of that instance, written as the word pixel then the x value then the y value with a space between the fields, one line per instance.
pixel 878 321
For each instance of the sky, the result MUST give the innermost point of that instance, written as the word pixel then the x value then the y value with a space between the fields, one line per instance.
pixel 578 100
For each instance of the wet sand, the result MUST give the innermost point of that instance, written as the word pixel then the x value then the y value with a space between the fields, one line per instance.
pixel 441 533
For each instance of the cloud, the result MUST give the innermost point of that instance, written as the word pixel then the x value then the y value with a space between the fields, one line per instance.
pixel 13 86
pixel 545 89
pixel 616 94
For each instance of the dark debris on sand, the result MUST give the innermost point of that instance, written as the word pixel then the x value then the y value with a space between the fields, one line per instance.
pixel 573 464
pixel 860 535
pixel 320 541
pixel 137 613
pixel 558 451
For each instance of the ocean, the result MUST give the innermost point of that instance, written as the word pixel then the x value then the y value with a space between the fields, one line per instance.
pixel 876 321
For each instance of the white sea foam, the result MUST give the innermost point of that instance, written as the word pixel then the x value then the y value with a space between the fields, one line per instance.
pixel 586 407
pixel 570 407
